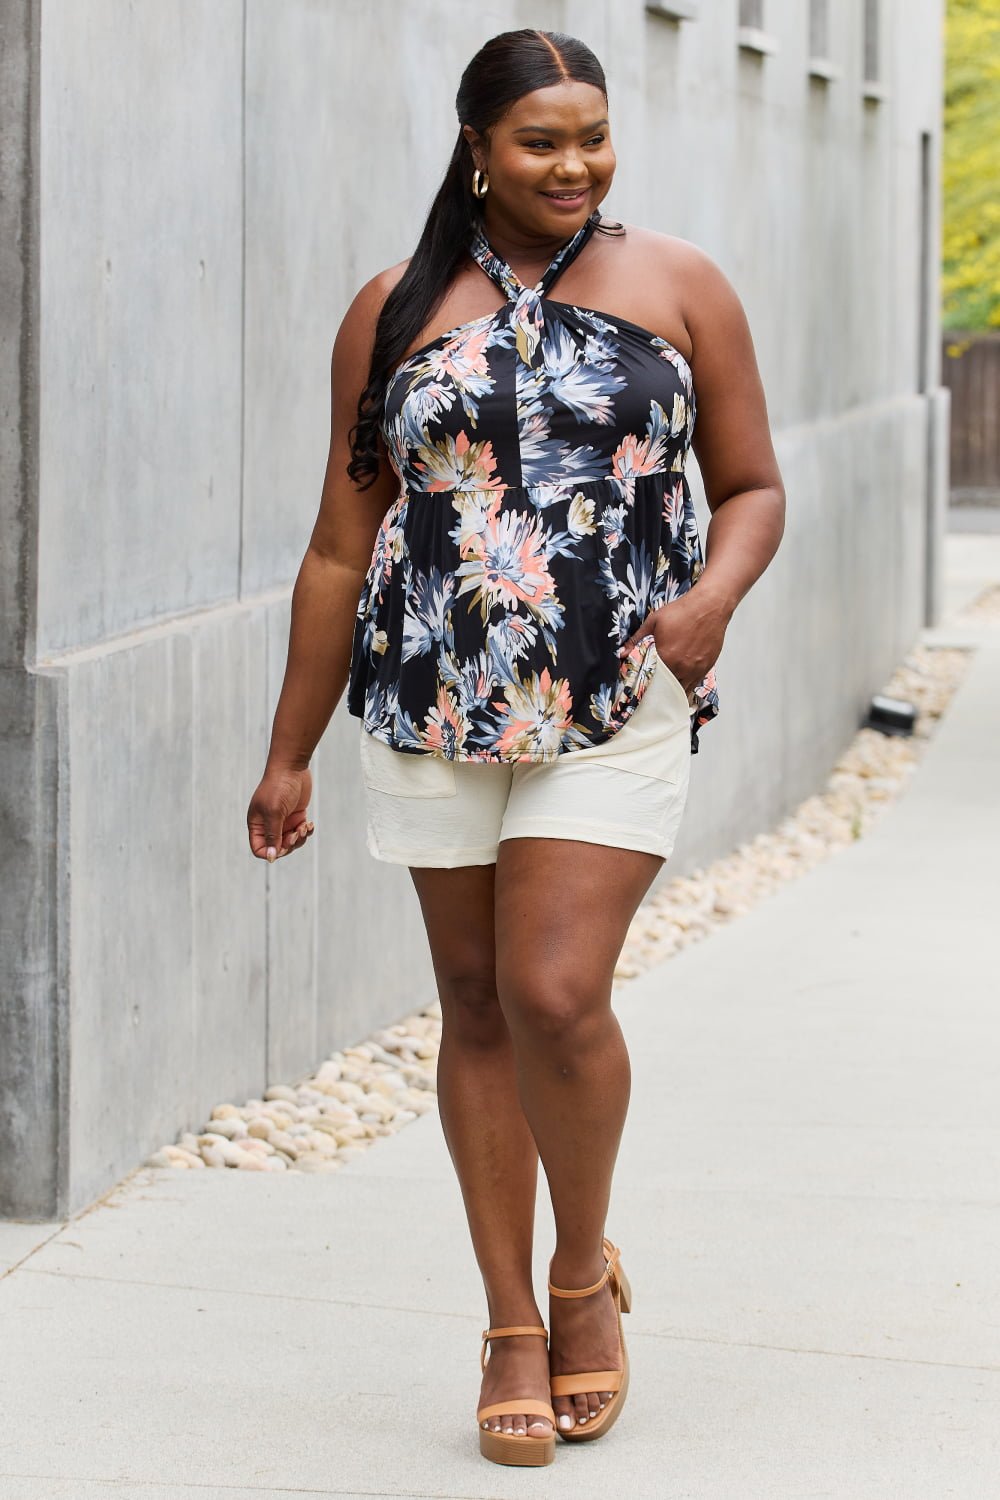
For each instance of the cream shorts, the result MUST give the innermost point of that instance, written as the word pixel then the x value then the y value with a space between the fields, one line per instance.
pixel 629 792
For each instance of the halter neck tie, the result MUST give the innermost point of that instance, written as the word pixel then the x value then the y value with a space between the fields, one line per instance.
pixel 526 315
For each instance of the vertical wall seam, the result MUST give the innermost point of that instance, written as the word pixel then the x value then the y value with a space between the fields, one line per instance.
pixel 28 350
pixel 243 296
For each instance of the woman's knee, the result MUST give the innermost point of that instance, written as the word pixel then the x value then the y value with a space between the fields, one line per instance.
pixel 560 1014
pixel 470 1009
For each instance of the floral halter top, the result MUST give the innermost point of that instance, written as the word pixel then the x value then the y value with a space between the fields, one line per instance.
pixel 543 512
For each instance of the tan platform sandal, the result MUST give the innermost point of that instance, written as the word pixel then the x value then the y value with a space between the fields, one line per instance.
pixel 615 1381
pixel 507 1447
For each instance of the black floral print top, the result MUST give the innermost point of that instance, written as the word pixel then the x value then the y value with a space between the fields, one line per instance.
pixel 543 512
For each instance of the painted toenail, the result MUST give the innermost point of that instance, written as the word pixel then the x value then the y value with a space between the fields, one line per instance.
pixel 565 1421
pixel 581 1420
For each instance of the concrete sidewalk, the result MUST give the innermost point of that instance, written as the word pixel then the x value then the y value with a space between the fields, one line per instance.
pixel 807 1201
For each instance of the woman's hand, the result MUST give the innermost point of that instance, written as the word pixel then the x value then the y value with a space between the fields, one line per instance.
pixel 688 633
pixel 276 818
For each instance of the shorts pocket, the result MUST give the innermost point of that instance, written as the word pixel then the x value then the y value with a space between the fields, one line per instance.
pixel 676 685
pixel 399 774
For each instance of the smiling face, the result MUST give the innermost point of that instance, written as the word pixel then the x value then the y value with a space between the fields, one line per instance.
pixel 550 163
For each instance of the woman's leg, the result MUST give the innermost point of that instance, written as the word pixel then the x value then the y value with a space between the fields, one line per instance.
pixel 487 1135
pixel 562 910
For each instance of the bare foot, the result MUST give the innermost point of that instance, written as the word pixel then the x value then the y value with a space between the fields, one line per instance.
pixel 517 1366
pixel 584 1336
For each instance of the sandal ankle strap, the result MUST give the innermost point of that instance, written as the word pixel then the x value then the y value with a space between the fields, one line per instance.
pixel 504 1333
pixel 612 1254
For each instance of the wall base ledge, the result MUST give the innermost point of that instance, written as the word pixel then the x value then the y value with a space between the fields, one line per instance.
pixel 178 624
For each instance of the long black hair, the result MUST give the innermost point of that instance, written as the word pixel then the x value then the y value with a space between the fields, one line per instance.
pixel 507 67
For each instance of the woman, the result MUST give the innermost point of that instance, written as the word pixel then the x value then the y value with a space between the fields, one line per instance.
pixel 501 575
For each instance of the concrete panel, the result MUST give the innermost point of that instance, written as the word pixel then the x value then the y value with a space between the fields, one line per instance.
pixel 33 959
pixel 131 912
pixel 140 275
pixel 168 945
pixel 227 886
pixel 31 877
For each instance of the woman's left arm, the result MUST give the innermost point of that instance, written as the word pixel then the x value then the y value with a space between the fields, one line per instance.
pixel 743 487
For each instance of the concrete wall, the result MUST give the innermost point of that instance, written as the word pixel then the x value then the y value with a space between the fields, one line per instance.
pixel 192 193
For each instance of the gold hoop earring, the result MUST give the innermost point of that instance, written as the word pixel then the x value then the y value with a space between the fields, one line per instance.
pixel 480 183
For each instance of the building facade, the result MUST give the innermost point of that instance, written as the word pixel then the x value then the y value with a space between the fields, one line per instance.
pixel 192 192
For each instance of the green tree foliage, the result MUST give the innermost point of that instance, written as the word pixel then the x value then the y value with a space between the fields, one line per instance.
pixel 971 251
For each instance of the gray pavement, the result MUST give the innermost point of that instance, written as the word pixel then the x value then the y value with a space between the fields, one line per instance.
pixel 806 1199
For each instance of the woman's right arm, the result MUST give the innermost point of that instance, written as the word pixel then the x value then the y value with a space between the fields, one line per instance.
pixel 325 596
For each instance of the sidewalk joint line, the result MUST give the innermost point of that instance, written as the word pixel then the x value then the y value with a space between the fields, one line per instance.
pixel 892 1359
pixel 9 1270
pixel 254 1489
pixel 232 1291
